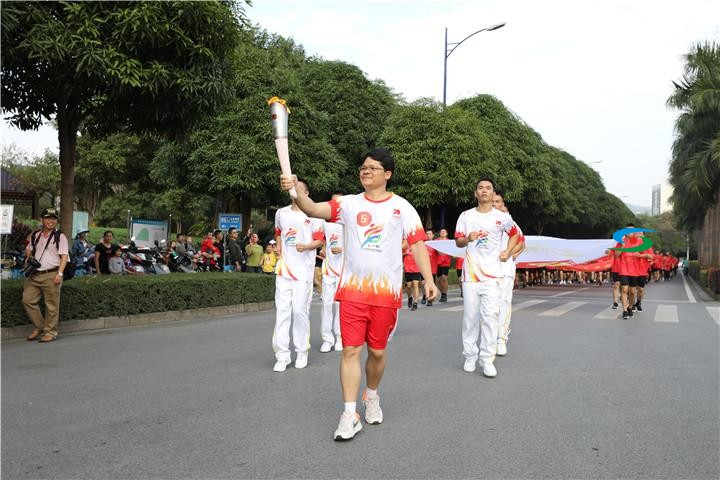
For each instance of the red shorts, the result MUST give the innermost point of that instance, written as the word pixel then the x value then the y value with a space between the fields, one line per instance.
pixel 360 323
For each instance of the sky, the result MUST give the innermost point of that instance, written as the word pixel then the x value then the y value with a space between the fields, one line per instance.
pixel 591 77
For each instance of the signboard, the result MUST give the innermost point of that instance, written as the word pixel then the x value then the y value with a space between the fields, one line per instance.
pixel 226 221
pixel 6 218
pixel 80 222
pixel 147 231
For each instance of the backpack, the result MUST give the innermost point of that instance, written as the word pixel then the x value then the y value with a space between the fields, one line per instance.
pixel 69 271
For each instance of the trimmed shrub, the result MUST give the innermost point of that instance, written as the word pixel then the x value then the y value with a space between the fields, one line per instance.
pixel 108 296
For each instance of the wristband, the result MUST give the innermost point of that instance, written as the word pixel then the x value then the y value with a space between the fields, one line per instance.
pixel 60 274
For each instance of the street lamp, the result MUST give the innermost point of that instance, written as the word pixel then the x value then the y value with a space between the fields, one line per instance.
pixel 452 48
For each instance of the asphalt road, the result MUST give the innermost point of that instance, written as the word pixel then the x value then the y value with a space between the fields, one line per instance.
pixel 580 395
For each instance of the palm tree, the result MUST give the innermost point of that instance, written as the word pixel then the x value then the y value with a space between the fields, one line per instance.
pixel 695 166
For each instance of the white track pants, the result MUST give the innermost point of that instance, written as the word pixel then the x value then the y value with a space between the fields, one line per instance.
pixel 292 305
pixel 506 294
pixel 330 318
pixel 481 302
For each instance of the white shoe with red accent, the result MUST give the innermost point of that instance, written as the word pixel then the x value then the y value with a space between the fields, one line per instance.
pixel 373 412
pixel 349 425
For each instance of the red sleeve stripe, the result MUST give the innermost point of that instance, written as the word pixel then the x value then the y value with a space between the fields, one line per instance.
pixel 278 232
pixel 334 211
pixel 513 231
pixel 318 235
pixel 459 235
pixel 416 236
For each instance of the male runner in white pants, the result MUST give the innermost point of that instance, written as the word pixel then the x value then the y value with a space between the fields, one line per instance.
pixel 507 283
pixel 480 229
pixel 297 237
pixel 331 268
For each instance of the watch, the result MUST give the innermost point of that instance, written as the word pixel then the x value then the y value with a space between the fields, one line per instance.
pixel 60 274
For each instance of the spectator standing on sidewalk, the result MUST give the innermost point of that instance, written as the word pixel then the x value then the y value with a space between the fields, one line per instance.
pixel 49 248
pixel 235 254
pixel 254 253
pixel 104 251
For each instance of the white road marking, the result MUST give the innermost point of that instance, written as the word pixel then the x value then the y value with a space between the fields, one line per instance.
pixel 714 313
pixel 568 293
pixel 527 304
pixel 689 293
pixel 609 314
pixel 456 308
pixel 666 314
pixel 562 309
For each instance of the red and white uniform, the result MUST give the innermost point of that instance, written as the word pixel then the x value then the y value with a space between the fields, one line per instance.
pixel 481 277
pixel 331 267
pixel 433 254
pixel 628 261
pixel 507 283
pixel 370 287
pixel 409 264
pixel 293 283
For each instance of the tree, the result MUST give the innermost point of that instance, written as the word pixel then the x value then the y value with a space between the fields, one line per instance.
pixel 40 174
pixel 142 66
pixel 695 165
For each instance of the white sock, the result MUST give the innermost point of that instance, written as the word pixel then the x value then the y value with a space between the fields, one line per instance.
pixel 371 393
pixel 350 407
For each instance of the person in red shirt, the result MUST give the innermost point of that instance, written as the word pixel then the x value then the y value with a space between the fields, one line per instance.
pixel 412 277
pixel 433 263
pixel 657 266
pixel 643 260
pixel 458 269
pixel 666 266
pixel 443 264
pixel 615 276
pixel 627 268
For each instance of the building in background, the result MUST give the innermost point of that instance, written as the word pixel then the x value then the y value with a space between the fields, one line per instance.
pixel 661 198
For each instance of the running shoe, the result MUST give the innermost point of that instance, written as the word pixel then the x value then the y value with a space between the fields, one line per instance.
pixel 338 344
pixel 429 303
pixel 325 347
pixel 443 298
pixel 638 307
pixel 501 349
pixel 349 425
pixel 280 366
pixel 630 312
pixel 414 307
pixel 470 365
pixel 424 300
pixel 373 412
pixel 614 306
pixel 410 302
pixel 489 370
pixel 625 315
pixel 301 360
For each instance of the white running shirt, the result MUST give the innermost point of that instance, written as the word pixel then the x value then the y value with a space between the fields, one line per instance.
pixel 374 231
pixel 295 227
pixel 482 257
pixel 333 262
pixel 508 267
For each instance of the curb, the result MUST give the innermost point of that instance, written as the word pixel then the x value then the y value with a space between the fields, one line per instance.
pixel 92 324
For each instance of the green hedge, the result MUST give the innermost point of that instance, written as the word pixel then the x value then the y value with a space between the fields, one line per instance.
pixel 106 296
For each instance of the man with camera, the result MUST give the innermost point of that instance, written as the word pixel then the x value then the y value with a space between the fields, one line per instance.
pixel 46 256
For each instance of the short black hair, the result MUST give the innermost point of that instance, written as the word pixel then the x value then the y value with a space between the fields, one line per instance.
pixel 180 234
pixel 231 230
pixel 302 180
pixel 630 224
pixel 216 232
pixel 498 192
pixel 108 231
pixel 383 156
pixel 486 179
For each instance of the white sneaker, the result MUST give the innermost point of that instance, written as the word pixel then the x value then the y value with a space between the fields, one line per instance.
pixel 470 365
pixel 325 347
pixel 281 365
pixel 338 344
pixel 301 360
pixel 373 412
pixel 349 425
pixel 501 349
pixel 489 370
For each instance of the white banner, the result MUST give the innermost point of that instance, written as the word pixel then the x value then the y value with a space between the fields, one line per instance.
pixel 6 218
pixel 146 232
pixel 543 249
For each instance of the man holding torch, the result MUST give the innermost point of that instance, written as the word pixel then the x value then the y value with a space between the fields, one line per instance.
pixel 370 286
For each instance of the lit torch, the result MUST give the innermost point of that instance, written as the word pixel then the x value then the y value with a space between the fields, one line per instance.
pixel 279 113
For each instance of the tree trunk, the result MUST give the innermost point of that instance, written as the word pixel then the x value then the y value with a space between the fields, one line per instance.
pixel 246 210
pixel 68 123
pixel 428 218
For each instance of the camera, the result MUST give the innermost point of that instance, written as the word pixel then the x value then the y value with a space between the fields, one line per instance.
pixel 30 267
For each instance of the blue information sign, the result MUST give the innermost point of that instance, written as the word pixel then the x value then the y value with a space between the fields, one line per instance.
pixel 229 220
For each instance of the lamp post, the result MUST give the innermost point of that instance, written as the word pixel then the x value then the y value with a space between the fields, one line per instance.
pixel 450 48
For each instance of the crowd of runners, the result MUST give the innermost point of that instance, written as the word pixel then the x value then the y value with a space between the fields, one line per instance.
pixel 374 252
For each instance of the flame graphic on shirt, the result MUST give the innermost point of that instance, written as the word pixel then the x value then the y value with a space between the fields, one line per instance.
pixel 291 235
pixel 372 235
pixel 370 291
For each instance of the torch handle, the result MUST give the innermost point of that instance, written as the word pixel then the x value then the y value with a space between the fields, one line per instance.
pixel 281 145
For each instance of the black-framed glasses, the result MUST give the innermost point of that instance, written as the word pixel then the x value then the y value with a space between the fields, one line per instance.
pixel 365 168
